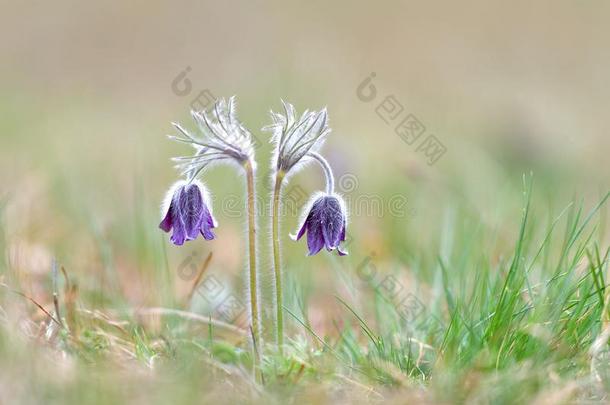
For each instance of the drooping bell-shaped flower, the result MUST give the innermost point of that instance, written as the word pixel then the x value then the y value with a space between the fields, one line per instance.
pixel 187 212
pixel 325 221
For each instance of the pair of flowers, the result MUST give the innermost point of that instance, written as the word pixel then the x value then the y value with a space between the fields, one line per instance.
pixel 223 139
pixel 187 207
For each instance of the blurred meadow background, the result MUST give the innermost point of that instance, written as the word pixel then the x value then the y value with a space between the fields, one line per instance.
pixel 516 93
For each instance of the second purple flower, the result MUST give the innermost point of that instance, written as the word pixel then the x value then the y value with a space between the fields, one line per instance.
pixel 325 224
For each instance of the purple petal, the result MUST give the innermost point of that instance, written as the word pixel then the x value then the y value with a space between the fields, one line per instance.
pixel 209 219
pixel 179 234
pixel 342 239
pixel 191 210
pixel 207 234
pixel 332 222
pixel 341 252
pixel 315 240
pixel 166 223
pixel 303 228
pixel 207 223
pixel 330 239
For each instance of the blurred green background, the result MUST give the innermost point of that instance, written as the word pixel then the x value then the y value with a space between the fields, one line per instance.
pixel 87 100
pixel 87 97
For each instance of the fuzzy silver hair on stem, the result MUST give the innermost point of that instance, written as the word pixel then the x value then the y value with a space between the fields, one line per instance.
pixel 297 141
pixel 221 139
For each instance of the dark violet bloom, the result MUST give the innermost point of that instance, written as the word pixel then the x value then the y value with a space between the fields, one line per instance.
pixel 325 224
pixel 187 212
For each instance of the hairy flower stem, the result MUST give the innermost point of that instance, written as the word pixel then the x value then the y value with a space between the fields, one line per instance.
pixel 277 269
pixel 328 172
pixel 248 166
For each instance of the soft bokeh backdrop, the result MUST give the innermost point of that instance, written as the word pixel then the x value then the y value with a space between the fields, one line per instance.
pixel 88 92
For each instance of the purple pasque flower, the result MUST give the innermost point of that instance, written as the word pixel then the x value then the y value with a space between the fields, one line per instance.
pixel 324 221
pixel 187 212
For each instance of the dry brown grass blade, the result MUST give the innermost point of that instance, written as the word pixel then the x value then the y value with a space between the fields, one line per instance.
pixel 203 269
pixel 190 316
pixel 47 313
pixel 105 319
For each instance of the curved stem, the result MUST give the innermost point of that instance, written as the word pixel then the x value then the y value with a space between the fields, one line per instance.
pixel 275 230
pixel 255 321
pixel 328 172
